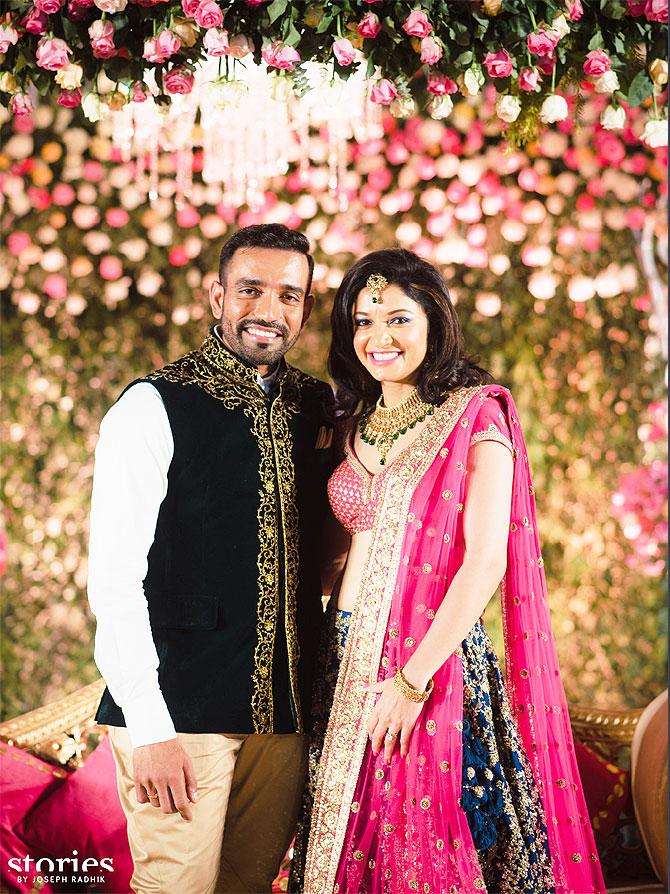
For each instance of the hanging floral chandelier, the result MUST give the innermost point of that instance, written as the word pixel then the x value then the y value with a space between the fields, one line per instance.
pixel 249 123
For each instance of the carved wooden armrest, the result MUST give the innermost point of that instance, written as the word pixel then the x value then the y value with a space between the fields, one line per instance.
pixel 58 731
pixel 610 733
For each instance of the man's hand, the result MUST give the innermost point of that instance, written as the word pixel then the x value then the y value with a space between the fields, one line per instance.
pixel 164 777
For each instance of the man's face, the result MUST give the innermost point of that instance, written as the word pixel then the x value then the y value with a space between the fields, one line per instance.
pixel 263 304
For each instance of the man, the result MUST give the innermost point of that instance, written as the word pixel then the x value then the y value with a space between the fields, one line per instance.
pixel 208 500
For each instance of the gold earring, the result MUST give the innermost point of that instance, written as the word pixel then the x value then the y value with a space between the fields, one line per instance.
pixel 376 284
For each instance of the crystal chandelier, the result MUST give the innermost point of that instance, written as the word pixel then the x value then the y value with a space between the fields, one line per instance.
pixel 251 126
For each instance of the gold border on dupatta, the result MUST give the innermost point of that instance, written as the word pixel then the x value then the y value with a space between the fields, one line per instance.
pixel 346 736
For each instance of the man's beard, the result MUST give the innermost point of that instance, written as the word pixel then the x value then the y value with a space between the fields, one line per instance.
pixel 268 354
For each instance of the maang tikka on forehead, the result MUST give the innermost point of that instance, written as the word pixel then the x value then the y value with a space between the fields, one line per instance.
pixel 376 284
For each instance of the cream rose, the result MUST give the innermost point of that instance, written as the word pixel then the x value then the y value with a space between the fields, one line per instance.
pixel 655 133
pixel 440 107
pixel 508 108
pixel 111 6
pixel 69 78
pixel 613 118
pixel 554 108
pixel 606 83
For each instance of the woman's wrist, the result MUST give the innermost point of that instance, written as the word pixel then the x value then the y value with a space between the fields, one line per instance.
pixel 410 692
pixel 416 677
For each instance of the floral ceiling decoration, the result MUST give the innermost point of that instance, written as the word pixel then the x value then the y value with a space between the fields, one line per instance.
pixel 540 247
pixel 172 74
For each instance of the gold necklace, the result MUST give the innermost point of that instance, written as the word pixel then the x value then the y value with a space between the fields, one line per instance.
pixel 384 425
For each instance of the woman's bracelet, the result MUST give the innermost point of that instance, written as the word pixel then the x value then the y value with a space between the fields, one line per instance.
pixel 408 691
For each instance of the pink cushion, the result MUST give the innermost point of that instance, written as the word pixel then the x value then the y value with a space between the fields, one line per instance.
pixel 25 781
pixel 85 815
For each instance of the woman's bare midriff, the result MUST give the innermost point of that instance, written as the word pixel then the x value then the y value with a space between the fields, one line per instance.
pixel 347 588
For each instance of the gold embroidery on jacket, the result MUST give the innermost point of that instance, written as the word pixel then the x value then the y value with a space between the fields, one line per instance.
pixel 224 377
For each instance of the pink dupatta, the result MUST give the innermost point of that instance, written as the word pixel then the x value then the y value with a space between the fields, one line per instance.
pixel 399 827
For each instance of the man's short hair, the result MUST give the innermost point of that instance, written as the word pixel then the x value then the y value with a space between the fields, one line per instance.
pixel 272 235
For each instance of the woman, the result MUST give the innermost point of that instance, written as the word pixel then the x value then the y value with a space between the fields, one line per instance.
pixel 430 778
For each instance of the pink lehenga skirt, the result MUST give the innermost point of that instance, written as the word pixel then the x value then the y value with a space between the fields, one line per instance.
pixel 499 796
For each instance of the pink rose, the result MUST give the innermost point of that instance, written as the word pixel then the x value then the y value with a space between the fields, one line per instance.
pixel 17 242
pixel 140 92
pixel 417 24
pixel 20 105
pixel 216 42
pixel 431 51
pixel 498 65
pixel 8 37
pixel 55 286
pixel 63 194
pixel 529 78
pixel 635 7
pixel 279 56
pixel 343 51
pixel 102 39
pixel 254 2
pixel 110 267
pixel 542 43
pixel 36 21
pixel 49 7
pixel 208 15
pixel 158 49
pixel 52 53
pixel 69 98
pixel 383 92
pixel 190 7
pixel 656 10
pixel 369 25
pixel 116 217
pixel 178 80
pixel 441 85
pixel 597 63
pixel 575 10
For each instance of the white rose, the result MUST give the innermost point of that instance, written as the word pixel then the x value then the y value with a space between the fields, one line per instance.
pixel 473 80
pixel 440 107
pixel 554 108
pixel 111 6
pixel 655 133
pixel 607 83
pixel 613 118
pixel 90 106
pixel 69 78
pixel 403 107
pixel 560 26
pixel 508 108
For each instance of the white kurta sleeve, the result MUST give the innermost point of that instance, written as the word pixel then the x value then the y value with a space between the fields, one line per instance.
pixel 132 459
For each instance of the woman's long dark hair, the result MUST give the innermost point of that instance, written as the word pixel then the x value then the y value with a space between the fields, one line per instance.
pixel 445 367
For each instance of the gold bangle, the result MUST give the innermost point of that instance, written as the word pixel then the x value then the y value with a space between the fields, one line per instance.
pixel 408 691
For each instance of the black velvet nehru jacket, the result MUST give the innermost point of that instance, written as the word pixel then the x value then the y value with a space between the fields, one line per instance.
pixel 233 584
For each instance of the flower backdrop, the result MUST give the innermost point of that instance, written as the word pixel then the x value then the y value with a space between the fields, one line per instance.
pixel 422 51
pixel 540 248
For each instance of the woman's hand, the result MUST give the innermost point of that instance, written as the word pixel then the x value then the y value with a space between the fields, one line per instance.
pixel 392 714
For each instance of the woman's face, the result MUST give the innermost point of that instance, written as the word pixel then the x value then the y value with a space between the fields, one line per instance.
pixel 391 338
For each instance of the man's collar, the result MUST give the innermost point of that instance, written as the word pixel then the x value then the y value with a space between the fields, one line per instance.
pixel 219 356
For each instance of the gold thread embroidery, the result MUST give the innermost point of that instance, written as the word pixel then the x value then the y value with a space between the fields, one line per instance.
pixel 492 434
pixel 221 375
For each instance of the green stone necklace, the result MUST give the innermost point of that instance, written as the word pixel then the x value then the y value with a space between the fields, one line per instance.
pixel 384 425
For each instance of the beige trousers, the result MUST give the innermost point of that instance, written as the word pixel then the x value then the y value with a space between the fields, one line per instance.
pixel 249 794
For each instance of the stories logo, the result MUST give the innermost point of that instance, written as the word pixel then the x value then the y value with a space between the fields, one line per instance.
pixel 60 870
